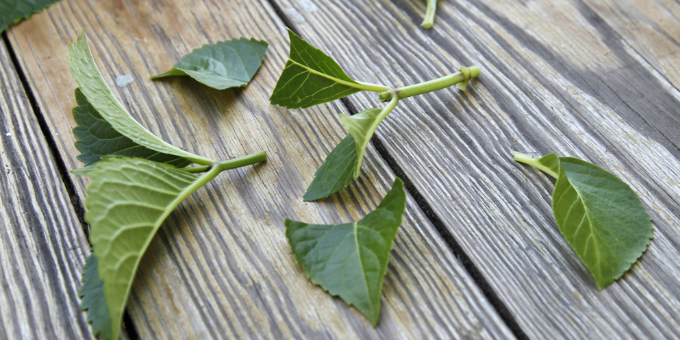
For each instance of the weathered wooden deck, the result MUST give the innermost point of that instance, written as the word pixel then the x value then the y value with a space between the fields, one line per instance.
pixel 479 254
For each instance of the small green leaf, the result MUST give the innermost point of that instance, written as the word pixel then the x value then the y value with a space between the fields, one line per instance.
pixel 350 260
pixel 93 301
pixel 223 65
pixel 335 172
pixel 599 215
pixel 127 202
pixel 13 11
pixel 92 84
pixel 97 138
pixel 310 77
pixel 361 127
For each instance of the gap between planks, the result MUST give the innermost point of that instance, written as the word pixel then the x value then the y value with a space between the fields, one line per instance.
pixel 129 331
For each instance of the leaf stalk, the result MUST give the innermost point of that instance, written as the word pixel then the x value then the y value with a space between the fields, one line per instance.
pixel 533 161
pixel 461 79
pixel 229 164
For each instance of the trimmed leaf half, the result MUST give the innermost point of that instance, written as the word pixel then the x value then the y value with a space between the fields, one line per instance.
pixel 599 215
pixel 350 260
pixel 93 301
pixel 127 201
pixel 361 127
pixel 92 85
pixel 335 172
pixel 97 138
pixel 310 77
pixel 13 11
pixel 223 65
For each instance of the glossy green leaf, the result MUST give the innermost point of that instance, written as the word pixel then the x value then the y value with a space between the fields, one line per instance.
pixel 126 203
pixel 97 138
pixel 310 77
pixel 13 11
pixel 599 215
pixel 223 65
pixel 350 260
pixel 335 172
pixel 92 85
pixel 93 301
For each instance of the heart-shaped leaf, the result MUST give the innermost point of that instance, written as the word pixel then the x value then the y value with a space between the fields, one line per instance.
pixel 310 77
pixel 97 138
pixel 12 11
pixel 350 260
pixel 223 65
pixel 92 85
pixel 599 215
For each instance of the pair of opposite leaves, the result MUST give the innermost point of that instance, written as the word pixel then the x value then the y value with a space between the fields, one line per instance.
pixel 139 179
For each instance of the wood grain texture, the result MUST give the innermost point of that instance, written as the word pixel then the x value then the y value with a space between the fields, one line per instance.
pixel 221 267
pixel 42 245
pixel 556 77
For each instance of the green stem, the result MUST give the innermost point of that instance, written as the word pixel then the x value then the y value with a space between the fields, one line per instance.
pixel 229 164
pixel 371 87
pixel 533 161
pixel 461 78
pixel 429 14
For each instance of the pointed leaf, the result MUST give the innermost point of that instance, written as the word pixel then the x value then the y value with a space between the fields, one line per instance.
pixel 310 77
pixel 335 172
pixel 93 301
pixel 602 219
pixel 599 215
pixel 92 84
pixel 126 203
pixel 361 127
pixel 350 260
pixel 223 65
pixel 12 11
pixel 97 138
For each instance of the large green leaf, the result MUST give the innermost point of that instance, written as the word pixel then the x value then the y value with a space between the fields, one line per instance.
pixel 599 215
pixel 350 260
pixel 93 301
pixel 335 172
pixel 126 203
pixel 223 65
pixel 310 77
pixel 92 84
pixel 12 11
pixel 97 138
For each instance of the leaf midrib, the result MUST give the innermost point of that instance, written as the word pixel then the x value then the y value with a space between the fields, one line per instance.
pixel 313 71
pixel 355 225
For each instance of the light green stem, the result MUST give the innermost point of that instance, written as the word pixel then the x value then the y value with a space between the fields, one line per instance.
pixel 429 14
pixel 461 78
pixel 229 164
pixel 533 161
pixel 371 87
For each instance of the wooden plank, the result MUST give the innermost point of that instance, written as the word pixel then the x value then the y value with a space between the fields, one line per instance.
pixel 555 78
pixel 220 266
pixel 649 31
pixel 42 244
